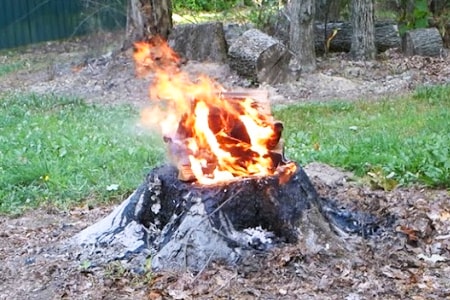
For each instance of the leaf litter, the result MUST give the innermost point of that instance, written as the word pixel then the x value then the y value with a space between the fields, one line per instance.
pixel 408 261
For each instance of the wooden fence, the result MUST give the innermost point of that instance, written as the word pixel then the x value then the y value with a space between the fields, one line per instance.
pixel 30 21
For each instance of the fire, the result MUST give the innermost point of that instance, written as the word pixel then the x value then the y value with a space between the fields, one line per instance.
pixel 209 134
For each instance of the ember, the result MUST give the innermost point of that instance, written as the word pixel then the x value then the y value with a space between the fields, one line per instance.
pixel 212 135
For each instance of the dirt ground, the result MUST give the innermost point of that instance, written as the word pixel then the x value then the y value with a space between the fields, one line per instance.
pixel 411 260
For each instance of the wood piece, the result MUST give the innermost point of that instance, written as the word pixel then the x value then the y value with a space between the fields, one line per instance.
pixel 259 57
pixel 386 35
pixel 424 42
pixel 237 134
pixel 200 42
pixel 186 226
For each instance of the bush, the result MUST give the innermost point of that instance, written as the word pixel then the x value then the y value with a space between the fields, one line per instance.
pixel 204 5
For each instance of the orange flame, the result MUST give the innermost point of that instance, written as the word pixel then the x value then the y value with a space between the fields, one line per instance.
pixel 218 138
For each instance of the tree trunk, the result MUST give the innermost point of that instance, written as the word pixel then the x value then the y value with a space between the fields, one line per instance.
pixel 425 42
pixel 301 34
pixel 147 18
pixel 259 57
pixel 386 36
pixel 182 226
pixel 328 10
pixel 363 38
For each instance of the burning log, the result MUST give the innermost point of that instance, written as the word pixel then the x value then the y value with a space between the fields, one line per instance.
pixel 259 57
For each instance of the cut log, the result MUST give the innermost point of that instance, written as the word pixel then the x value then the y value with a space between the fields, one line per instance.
pixel 183 226
pixel 260 58
pixel 386 35
pixel 200 42
pixel 424 42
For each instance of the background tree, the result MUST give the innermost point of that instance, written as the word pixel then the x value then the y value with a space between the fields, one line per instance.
pixel 328 10
pixel 363 37
pixel 301 34
pixel 146 18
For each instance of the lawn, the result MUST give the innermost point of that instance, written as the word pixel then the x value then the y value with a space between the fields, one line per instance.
pixel 63 152
pixel 401 140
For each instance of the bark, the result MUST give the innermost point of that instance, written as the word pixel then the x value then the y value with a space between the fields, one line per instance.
pixel 181 225
pixel 201 42
pixel 301 34
pixel 147 18
pixel 386 36
pixel 259 57
pixel 363 37
pixel 424 42
pixel 328 10
pixel 438 7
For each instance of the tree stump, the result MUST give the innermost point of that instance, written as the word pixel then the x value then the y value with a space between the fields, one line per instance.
pixel 424 42
pixel 183 225
pixel 201 42
pixel 259 57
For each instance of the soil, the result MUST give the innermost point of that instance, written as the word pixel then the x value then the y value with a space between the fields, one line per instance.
pixel 409 260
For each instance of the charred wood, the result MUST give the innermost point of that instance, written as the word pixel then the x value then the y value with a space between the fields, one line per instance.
pixel 181 225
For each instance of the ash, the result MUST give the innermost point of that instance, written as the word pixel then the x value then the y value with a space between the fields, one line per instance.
pixel 258 238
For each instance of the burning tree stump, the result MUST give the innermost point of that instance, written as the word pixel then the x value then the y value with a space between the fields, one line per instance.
pixel 229 192
pixel 183 225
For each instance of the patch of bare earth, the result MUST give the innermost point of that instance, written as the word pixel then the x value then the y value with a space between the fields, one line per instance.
pixel 408 261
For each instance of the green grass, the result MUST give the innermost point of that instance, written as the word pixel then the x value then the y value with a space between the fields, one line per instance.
pixel 405 140
pixel 62 151
pixel 7 68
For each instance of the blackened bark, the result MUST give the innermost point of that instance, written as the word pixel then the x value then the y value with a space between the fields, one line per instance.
pixel 181 225
pixel 363 38
pixel 301 34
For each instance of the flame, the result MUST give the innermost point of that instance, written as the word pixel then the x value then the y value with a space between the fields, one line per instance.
pixel 216 138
